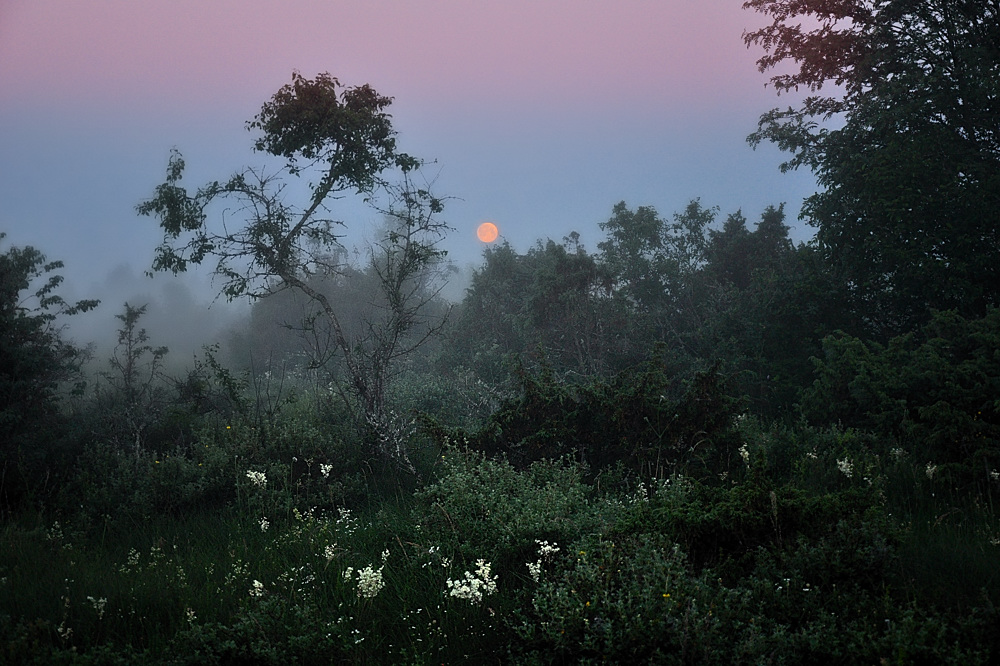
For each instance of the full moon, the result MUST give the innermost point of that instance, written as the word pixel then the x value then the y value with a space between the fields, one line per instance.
pixel 487 232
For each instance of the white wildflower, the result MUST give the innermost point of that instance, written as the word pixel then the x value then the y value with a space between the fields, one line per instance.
pixel 132 563
pixel 534 569
pixel 258 589
pixel 545 549
pixel 346 522
pixel 929 470
pixel 370 582
pixel 846 467
pixel 745 454
pixel 330 552
pixel 98 605
pixel 55 532
pixel 474 586
pixel 325 469
pixel 259 479
pixel 264 524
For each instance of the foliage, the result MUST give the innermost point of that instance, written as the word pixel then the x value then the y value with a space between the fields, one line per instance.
pixel 545 303
pixel 747 300
pixel 477 501
pixel 644 417
pixel 633 595
pixel 132 398
pixel 34 361
pixel 602 462
pixel 648 259
pixel 905 148
pixel 760 568
pixel 932 393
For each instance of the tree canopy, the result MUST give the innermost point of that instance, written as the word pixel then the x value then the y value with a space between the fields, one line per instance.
pixel 901 129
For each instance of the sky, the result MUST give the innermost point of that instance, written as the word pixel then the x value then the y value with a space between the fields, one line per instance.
pixel 538 115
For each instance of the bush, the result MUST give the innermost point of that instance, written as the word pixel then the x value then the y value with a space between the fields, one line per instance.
pixel 653 423
pixel 934 393
pixel 480 507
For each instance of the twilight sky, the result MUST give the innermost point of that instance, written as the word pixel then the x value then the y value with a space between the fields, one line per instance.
pixel 541 114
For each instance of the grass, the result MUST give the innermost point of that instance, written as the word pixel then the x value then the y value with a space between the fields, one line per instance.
pixel 219 587
pixel 155 581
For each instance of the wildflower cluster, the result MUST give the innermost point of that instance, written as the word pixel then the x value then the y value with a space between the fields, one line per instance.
pixel 346 523
pixel 55 535
pixel 846 467
pixel 99 606
pixel 370 581
pixel 545 551
pixel 474 586
pixel 259 479
pixel 132 563
pixel 745 454
pixel 930 470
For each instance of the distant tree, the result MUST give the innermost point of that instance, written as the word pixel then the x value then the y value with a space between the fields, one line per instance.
pixel 134 397
pixel 751 292
pixel 745 300
pixel 344 139
pixel 901 130
pixel 547 301
pixel 34 360
pixel 650 263
pixel 648 258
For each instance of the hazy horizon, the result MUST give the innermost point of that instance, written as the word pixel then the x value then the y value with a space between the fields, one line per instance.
pixel 539 116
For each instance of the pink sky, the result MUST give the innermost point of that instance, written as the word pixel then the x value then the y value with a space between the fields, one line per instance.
pixel 494 54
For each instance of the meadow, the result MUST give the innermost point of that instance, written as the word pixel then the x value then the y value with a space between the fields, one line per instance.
pixel 268 541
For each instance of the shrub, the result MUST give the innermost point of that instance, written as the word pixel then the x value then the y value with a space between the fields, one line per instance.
pixel 653 423
pixel 481 507
pixel 932 393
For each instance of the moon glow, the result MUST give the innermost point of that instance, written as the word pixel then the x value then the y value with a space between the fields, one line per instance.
pixel 487 232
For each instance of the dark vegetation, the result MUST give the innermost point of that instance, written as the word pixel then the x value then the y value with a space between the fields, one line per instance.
pixel 698 444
